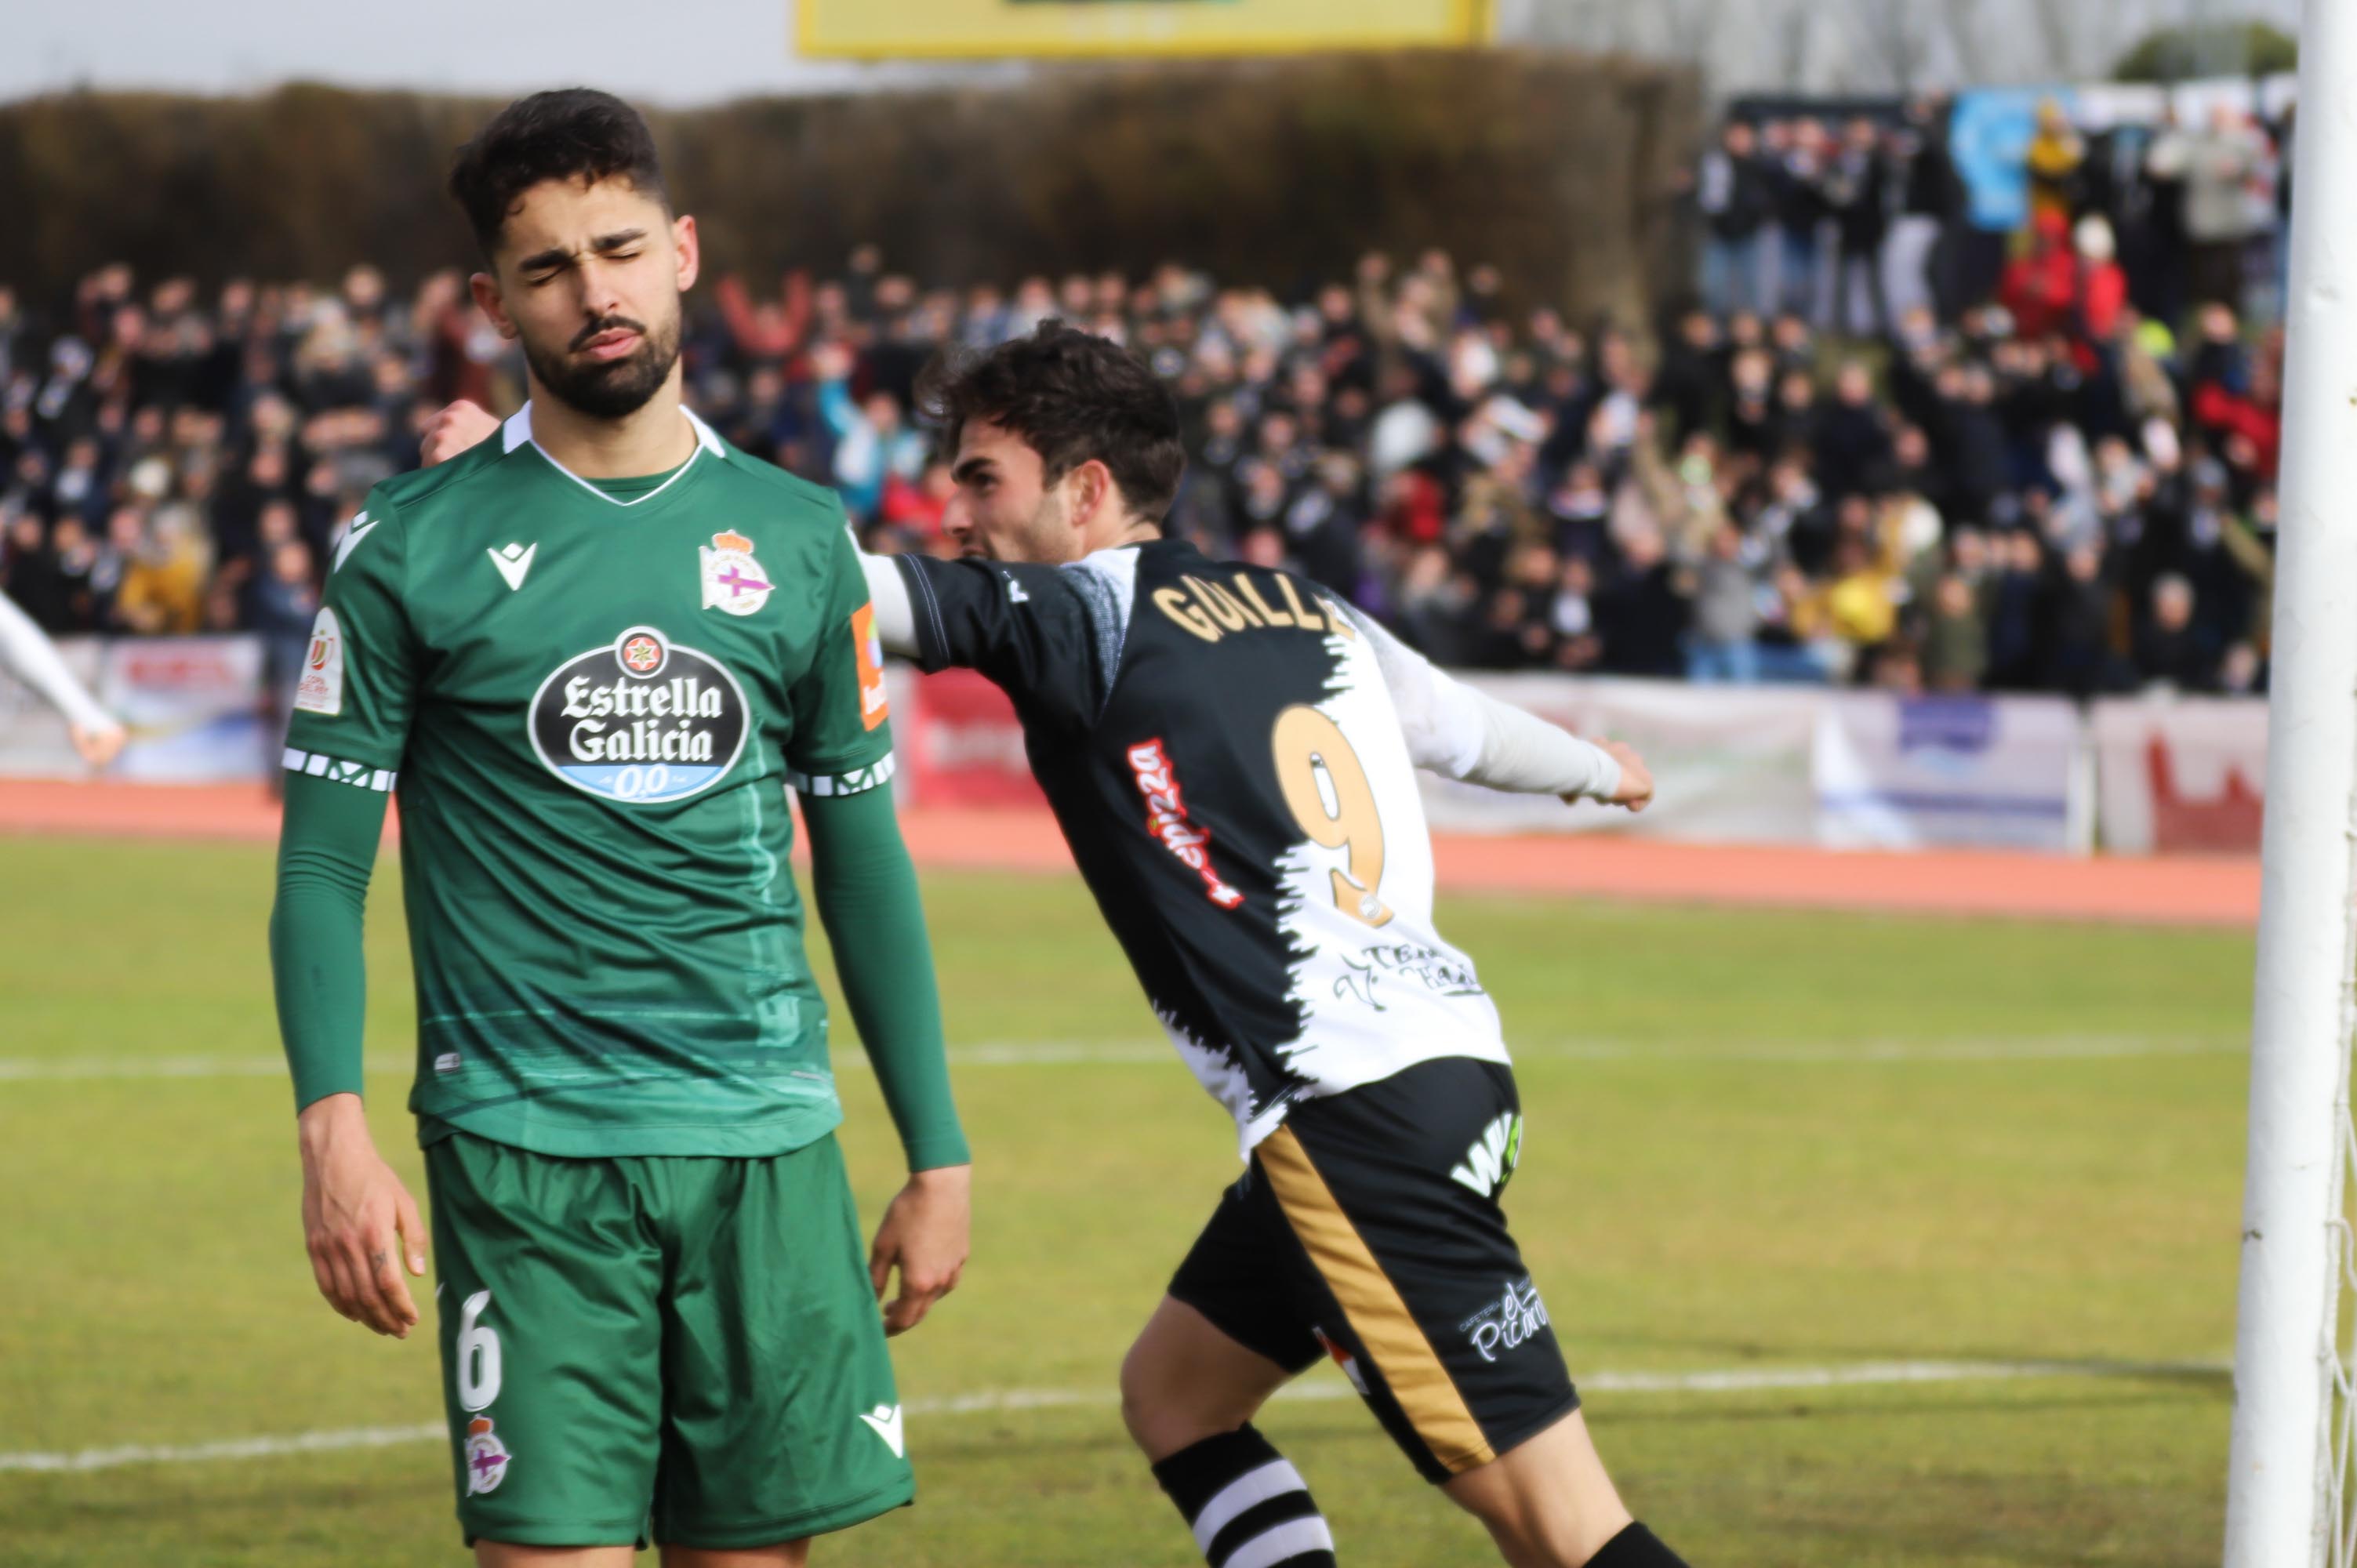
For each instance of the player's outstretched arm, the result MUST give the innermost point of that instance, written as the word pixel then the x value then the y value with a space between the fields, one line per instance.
pixel 27 653
pixel 895 615
pixel 359 1224
pixel 1460 733
pixel 453 428
pixel 866 893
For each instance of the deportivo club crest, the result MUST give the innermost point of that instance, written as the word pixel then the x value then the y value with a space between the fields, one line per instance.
pixel 487 1458
pixel 734 582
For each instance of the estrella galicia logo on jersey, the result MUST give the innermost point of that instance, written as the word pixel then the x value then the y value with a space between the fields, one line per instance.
pixel 641 720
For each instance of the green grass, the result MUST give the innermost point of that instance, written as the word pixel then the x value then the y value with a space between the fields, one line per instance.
pixel 1755 1140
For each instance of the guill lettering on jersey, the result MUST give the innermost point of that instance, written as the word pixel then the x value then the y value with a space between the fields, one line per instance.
pixel 640 721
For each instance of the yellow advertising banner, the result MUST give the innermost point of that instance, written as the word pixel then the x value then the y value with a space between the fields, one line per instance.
pixel 901 29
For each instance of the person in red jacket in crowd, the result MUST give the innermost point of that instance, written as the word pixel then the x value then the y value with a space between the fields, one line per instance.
pixel 2103 284
pixel 2040 289
pixel 916 506
pixel 1414 508
pixel 2238 393
pixel 2069 283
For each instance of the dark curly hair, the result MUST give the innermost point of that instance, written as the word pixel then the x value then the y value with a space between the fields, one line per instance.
pixel 573 132
pixel 1072 396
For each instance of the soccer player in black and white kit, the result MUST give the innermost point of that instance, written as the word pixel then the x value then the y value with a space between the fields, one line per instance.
pixel 1230 752
pixel 32 657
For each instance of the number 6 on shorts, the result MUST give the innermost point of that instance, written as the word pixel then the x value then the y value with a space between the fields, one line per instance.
pixel 476 1356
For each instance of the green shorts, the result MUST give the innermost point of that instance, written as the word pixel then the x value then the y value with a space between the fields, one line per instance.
pixel 660 1348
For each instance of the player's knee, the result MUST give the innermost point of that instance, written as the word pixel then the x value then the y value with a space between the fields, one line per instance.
pixel 1164 1411
pixel 1548 1504
pixel 1141 1383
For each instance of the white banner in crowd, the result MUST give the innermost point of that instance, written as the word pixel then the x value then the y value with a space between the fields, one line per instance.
pixel 1807 765
pixel 193 706
pixel 1996 772
pixel 1848 769
pixel 2181 775
pixel 33 739
pixel 1730 763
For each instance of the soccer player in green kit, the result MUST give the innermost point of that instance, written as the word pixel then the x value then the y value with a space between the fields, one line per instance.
pixel 590 655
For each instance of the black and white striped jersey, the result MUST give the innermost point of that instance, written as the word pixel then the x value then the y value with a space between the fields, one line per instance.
pixel 1226 762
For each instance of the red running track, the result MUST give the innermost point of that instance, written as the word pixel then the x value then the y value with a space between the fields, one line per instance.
pixel 2157 891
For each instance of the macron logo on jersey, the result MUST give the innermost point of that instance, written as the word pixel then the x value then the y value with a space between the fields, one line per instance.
pixel 513 560
pixel 360 528
pixel 885 1422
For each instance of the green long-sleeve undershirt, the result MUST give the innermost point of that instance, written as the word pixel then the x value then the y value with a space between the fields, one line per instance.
pixel 866 887
pixel 863 883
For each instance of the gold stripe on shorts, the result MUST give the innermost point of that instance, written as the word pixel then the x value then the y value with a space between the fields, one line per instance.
pixel 1378 1317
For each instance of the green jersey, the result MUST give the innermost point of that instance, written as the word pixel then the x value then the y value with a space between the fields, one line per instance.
pixel 588 700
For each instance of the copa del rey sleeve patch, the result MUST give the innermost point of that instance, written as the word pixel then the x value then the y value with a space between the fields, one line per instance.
pixel 321 688
pixel 873 707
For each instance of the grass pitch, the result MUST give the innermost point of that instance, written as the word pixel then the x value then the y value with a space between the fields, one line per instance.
pixel 1758 1143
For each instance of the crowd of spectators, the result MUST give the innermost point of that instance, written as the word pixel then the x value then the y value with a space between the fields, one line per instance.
pixel 1839 464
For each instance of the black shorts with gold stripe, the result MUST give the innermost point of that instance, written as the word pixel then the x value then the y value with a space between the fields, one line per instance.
pixel 1367 1229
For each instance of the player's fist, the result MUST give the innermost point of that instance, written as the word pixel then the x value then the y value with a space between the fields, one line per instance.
pixel 452 430
pixel 98 746
pixel 1636 791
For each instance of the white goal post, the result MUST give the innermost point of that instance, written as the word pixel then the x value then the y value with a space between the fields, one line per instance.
pixel 2287 1497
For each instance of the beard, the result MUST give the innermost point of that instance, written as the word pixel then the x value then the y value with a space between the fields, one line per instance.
pixel 1043 539
pixel 612 388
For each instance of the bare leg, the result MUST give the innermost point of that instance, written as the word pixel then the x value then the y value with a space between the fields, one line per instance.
pixel 1547 1503
pixel 1184 1380
pixel 787 1554
pixel 507 1554
pixel 1187 1393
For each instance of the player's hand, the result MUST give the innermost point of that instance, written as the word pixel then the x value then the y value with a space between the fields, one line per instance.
pixel 98 746
pixel 831 362
pixel 453 429
pixel 358 1219
pixel 1636 791
pixel 924 1234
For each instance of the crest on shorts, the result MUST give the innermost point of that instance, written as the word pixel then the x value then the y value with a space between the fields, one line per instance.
pixel 734 583
pixel 1342 1358
pixel 487 1458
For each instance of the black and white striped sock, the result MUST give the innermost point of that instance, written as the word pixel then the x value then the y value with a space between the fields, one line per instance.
pixel 1247 1505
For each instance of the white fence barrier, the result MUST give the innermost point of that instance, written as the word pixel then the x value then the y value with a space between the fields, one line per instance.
pixel 1850 769
pixel 2182 775
pixel 1806 765
pixel 194 706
